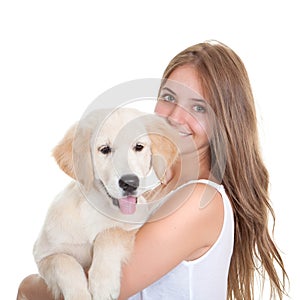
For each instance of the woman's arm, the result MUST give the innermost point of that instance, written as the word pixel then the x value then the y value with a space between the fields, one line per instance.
pixel 161 245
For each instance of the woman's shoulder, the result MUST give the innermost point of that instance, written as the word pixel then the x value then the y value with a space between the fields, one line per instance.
pixel 197 206
pixel 204 203
pixel 198 195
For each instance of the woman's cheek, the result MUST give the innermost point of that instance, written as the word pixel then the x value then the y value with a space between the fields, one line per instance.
pixel 201 129
pixel 162 109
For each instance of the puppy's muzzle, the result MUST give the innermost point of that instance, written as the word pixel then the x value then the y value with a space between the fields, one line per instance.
pixel 129 183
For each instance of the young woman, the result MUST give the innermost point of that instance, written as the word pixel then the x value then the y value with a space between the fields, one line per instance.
pixel 215 240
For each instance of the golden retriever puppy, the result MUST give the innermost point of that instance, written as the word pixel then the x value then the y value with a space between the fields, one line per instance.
pixel 114 157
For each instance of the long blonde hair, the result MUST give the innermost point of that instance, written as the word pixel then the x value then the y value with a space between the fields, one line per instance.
pixel 226 86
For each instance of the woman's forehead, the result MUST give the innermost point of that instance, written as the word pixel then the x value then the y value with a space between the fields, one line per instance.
pixel 185 79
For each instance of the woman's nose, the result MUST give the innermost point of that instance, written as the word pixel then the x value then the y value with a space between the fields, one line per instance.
pixel 177 115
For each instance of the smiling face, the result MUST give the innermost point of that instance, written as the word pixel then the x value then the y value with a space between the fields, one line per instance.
pixel 182 103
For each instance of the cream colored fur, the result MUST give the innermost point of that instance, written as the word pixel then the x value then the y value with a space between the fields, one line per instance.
pixel 85 237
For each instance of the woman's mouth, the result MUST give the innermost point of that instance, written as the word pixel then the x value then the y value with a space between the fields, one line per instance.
pixel 183 134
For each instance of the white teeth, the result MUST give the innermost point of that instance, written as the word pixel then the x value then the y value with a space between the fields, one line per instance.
pixel 184 133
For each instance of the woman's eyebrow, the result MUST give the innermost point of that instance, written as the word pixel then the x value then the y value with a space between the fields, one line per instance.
pixel 199 100
pixel 173 93
pixel 169 90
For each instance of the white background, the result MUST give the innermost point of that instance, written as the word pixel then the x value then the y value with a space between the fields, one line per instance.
pixel 58 56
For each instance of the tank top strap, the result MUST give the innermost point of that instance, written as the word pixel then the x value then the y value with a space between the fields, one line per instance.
pixel 205 181
pixel 165 198
pixel 210 183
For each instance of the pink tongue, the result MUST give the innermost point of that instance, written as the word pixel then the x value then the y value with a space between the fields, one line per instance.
pixel 127 205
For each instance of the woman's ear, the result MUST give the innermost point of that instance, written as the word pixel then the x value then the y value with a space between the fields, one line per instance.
pixel 63 152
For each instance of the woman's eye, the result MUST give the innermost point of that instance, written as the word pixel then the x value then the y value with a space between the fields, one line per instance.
pixel 104 149
pixel 167 97
pixel 138 147
pixel 199 108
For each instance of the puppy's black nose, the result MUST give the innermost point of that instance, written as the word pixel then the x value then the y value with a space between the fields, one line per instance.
pixel 129 183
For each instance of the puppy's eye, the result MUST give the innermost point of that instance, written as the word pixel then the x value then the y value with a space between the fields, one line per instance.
pixel 138 147
pixel 104 149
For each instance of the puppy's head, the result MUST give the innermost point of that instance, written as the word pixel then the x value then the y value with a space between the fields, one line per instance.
pixel 115 152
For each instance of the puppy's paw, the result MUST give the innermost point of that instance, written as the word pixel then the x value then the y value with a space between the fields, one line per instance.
pixel 104 286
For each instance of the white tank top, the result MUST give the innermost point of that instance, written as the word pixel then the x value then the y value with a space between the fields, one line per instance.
pixel 204 278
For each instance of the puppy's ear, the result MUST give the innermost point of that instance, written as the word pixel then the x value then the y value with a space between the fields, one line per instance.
pixel 163 147
pixel 73 154
pixel 164 154
pixel 82 160
pixel 63 152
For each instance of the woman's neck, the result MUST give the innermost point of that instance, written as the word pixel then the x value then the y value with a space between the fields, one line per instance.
pixel 190 166
pixel 187 167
